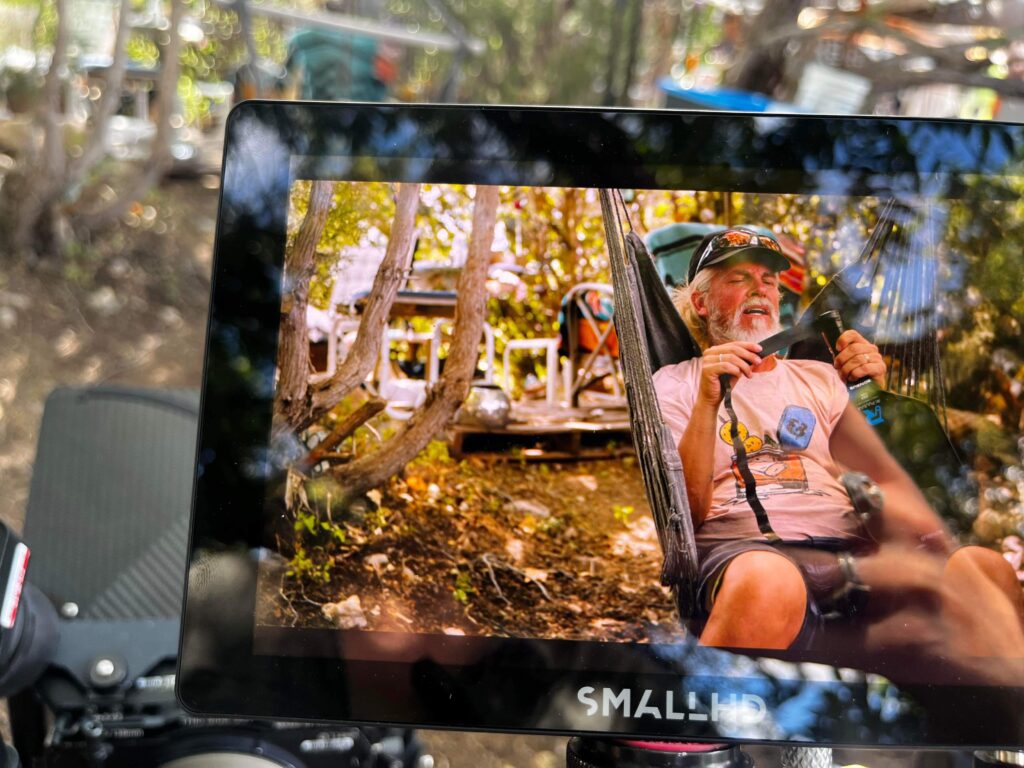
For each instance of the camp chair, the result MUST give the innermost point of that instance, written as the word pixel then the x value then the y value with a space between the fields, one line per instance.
pixel 653 335
pixel 588 338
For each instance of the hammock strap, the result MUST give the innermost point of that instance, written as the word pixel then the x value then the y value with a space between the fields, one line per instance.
pixel 769 346
pixel 749 482
pixel 656 450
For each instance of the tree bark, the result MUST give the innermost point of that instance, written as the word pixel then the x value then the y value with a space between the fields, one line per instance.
pixel 761 64
pixel 95 146
pixel 632 54
pixel 29 194
pixel 292 399
pixel 373 469
pixel 160 160
pixel 341 430
pixel 390 277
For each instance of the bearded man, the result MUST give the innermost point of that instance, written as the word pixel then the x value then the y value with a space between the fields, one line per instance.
pixel 800 434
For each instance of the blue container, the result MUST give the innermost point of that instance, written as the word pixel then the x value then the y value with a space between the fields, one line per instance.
pixel 719 99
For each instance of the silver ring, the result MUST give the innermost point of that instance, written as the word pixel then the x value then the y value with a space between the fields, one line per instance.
pixel 719 357
pixel 867 358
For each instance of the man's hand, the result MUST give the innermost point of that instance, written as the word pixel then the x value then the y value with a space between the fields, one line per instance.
pixel 858 358
pixel 733 359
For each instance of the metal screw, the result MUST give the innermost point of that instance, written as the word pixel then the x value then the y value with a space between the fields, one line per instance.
pixel 69 610
pixel 104 668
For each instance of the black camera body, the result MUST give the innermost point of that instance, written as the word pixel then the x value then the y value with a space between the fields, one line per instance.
pixel 107 523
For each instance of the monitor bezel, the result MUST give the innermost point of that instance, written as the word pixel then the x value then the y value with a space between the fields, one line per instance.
pixel 496 683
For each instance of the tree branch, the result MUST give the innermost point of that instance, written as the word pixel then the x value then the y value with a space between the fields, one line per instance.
pixel 114 81
pixel 392 273
pixel 341 430
pixel 373 469
pixel 160 159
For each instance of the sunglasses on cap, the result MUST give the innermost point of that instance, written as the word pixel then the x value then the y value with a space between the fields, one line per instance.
pixel 719 247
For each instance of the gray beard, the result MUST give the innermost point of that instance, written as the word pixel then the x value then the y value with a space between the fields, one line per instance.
pixel 724 329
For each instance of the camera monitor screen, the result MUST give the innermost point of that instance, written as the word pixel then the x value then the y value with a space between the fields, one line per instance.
pixel 665 424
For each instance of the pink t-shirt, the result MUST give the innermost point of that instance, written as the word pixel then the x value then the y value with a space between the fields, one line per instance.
pixel 786 417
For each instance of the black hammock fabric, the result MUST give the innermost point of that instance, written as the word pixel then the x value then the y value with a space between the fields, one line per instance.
pixel 638 311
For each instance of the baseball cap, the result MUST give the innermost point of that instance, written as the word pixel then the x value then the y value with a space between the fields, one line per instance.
pixel 737 243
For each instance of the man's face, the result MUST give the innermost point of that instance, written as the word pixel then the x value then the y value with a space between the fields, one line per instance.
pixel 742 303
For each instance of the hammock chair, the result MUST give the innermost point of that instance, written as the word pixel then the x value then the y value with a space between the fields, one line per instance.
pixel 652 335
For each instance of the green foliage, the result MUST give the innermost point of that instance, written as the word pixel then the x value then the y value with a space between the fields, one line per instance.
pixel 622 513
pixel 526 41
pixel 377 519
pixel 142 50
pixel 434 455
pixel 463 589
pixel 304 568
pixel 551 525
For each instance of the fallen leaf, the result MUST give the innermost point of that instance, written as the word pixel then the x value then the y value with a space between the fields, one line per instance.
pixel 515 549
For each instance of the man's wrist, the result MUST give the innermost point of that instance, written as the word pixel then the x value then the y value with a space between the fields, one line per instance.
pixel 708 405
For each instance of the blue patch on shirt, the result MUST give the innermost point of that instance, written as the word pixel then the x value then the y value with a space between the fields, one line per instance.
pixel 796 427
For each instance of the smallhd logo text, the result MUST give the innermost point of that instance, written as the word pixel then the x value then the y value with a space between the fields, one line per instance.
pixel 733 709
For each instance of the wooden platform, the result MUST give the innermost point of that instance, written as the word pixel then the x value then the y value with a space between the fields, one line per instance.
pixel 547 438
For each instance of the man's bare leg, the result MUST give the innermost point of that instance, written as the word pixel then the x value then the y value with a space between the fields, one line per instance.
pixel 983 603
pixel 760 604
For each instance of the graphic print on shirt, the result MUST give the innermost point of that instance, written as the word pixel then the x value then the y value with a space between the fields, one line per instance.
pixel 774 463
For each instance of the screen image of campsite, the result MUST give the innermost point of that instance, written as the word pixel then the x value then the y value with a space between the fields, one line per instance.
pixel 450 407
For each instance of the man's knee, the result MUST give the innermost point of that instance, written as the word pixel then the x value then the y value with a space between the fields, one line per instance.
pixel 975 560
pixel 762 579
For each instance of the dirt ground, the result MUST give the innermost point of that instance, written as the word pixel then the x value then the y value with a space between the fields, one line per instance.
pixel 488 547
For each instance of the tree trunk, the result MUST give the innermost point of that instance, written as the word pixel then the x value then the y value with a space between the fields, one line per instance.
pixel 96 145
pixel 761 64
pixel 632 54
pixel 390 277
pixel 161 159
pixel 29 195
pixel 292 399
pixel 373 469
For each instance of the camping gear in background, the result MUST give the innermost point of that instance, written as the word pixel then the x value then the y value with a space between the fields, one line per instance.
pixel 333 65
pixel 588 338
pixel 672 248
pixel 678 97
pixel 486 406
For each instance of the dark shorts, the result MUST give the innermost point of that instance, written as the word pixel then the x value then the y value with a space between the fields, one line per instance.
pixel 715 561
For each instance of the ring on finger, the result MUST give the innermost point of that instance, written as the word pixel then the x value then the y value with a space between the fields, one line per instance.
pixel 720 358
